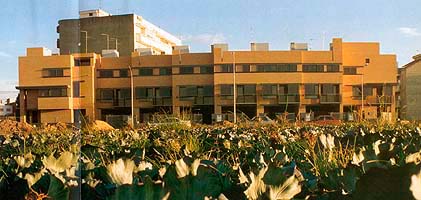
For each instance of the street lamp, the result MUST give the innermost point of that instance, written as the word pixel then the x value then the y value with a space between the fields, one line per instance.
pixel 86 40
pixel 116 41
pixel 108 40
pixel 362 88
pixel 234 88
pixel 132 97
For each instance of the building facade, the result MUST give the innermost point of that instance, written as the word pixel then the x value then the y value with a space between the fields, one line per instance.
pixel 61 87
pixel 97 30
pixel 410 89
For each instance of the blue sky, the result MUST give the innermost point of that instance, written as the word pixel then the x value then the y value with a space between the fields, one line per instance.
pixel 395 24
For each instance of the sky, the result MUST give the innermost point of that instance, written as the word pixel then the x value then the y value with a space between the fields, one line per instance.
pixel 200 23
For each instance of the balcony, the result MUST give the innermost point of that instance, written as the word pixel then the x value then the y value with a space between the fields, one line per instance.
pixel 122 102
pixel 51 103
pixel 203 100
pixel 162 101
pixel 379 99
pixel 330 98
pixel 246 99
pixel 288 99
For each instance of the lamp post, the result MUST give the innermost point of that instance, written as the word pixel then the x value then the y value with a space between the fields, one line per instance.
pixel 362 89
pixel 116 45
pixel 108 40
pixel 131 97
pixel 234 88
pixel 86 40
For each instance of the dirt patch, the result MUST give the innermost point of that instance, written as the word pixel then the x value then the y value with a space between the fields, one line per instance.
pixel 99 125
pixel 9 126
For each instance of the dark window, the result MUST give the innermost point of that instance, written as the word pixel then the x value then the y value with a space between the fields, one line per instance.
pixel 187 91
pixel 388 90
pixel 82 61
pixel 124 73
pixel 124 93
pixel 206 69
pixel 106 73
pixel 368 90
pixel 311 91
pixel 163 92
pixel 76 88
pixel 243 90
pixel 328 89
pixel 288 89
pixel 227 90
pixel 144 93
pixel 367 60
pixel 333 68
pixel 53 92
pixel 91 14
pixel 106 94
pixel 356 91
pixel 205 91
pixel 165 71
pixel 313 68
pixel 186 70
pixel 246 68
pixel 226 68
pixel 350 70
pixel 145 71
pixel 277 68
pixel 53 72
pixel 270 89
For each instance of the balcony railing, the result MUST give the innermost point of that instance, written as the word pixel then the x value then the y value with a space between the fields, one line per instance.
pixel 246 99
pixel 330 98
pixel 122 102
pixel 379 99
pixel 288 98
pixel 162 101
pixel 203 100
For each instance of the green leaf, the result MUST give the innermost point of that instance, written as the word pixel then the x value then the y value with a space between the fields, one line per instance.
pixel 57 190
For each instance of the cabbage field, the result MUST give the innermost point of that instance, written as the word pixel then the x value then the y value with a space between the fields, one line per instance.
pixel 350 161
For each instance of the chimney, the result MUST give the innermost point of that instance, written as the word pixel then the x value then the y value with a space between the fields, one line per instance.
pixel 259 46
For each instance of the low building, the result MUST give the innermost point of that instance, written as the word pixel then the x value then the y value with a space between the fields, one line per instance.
pixel 348 78
pixel 7 108
pixel 410 89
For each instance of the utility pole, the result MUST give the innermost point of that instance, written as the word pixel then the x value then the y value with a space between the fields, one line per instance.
pixel 132 97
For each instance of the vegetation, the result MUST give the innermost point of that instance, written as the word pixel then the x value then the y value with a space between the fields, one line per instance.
pixel 350 161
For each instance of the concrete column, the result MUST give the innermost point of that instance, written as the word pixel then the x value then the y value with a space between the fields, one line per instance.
pixel 218 109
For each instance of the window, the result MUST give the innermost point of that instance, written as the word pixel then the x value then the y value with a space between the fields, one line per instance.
pixel 53 92
pixel 288 89
pixel 165 71
pixel 350 70
pixel 124 73
pixel 311 91
pixel 388 90
pixel 106 94
pixel 186 70
pixel 277 68
pixel 163 92
pixel 313 68
pixel 144 93
pixel 226 68
pixel 124 93
pixel 108 73
pixel 145 71
pixel 245 68
pixel 329 89
pixel 76 88
pixel 245 90
pixel 356 91
pixel 269 90
pixel 53 72
pixel 227 90
pixel 206 69
pixel 205 91
pixel 187 91
pixel 333 68
pixel 82 61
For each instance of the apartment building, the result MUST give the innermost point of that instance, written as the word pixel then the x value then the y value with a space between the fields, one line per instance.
pixel 410 89
pixel 61 87
pixel 97 30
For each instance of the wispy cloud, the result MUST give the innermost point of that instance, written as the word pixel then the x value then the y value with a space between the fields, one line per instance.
pixel 4 54
pixel 408 31
pixel 205 38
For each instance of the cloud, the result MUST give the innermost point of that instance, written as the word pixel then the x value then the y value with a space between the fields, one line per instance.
pixel 408 31
pixel 4 54
pixel 205 38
